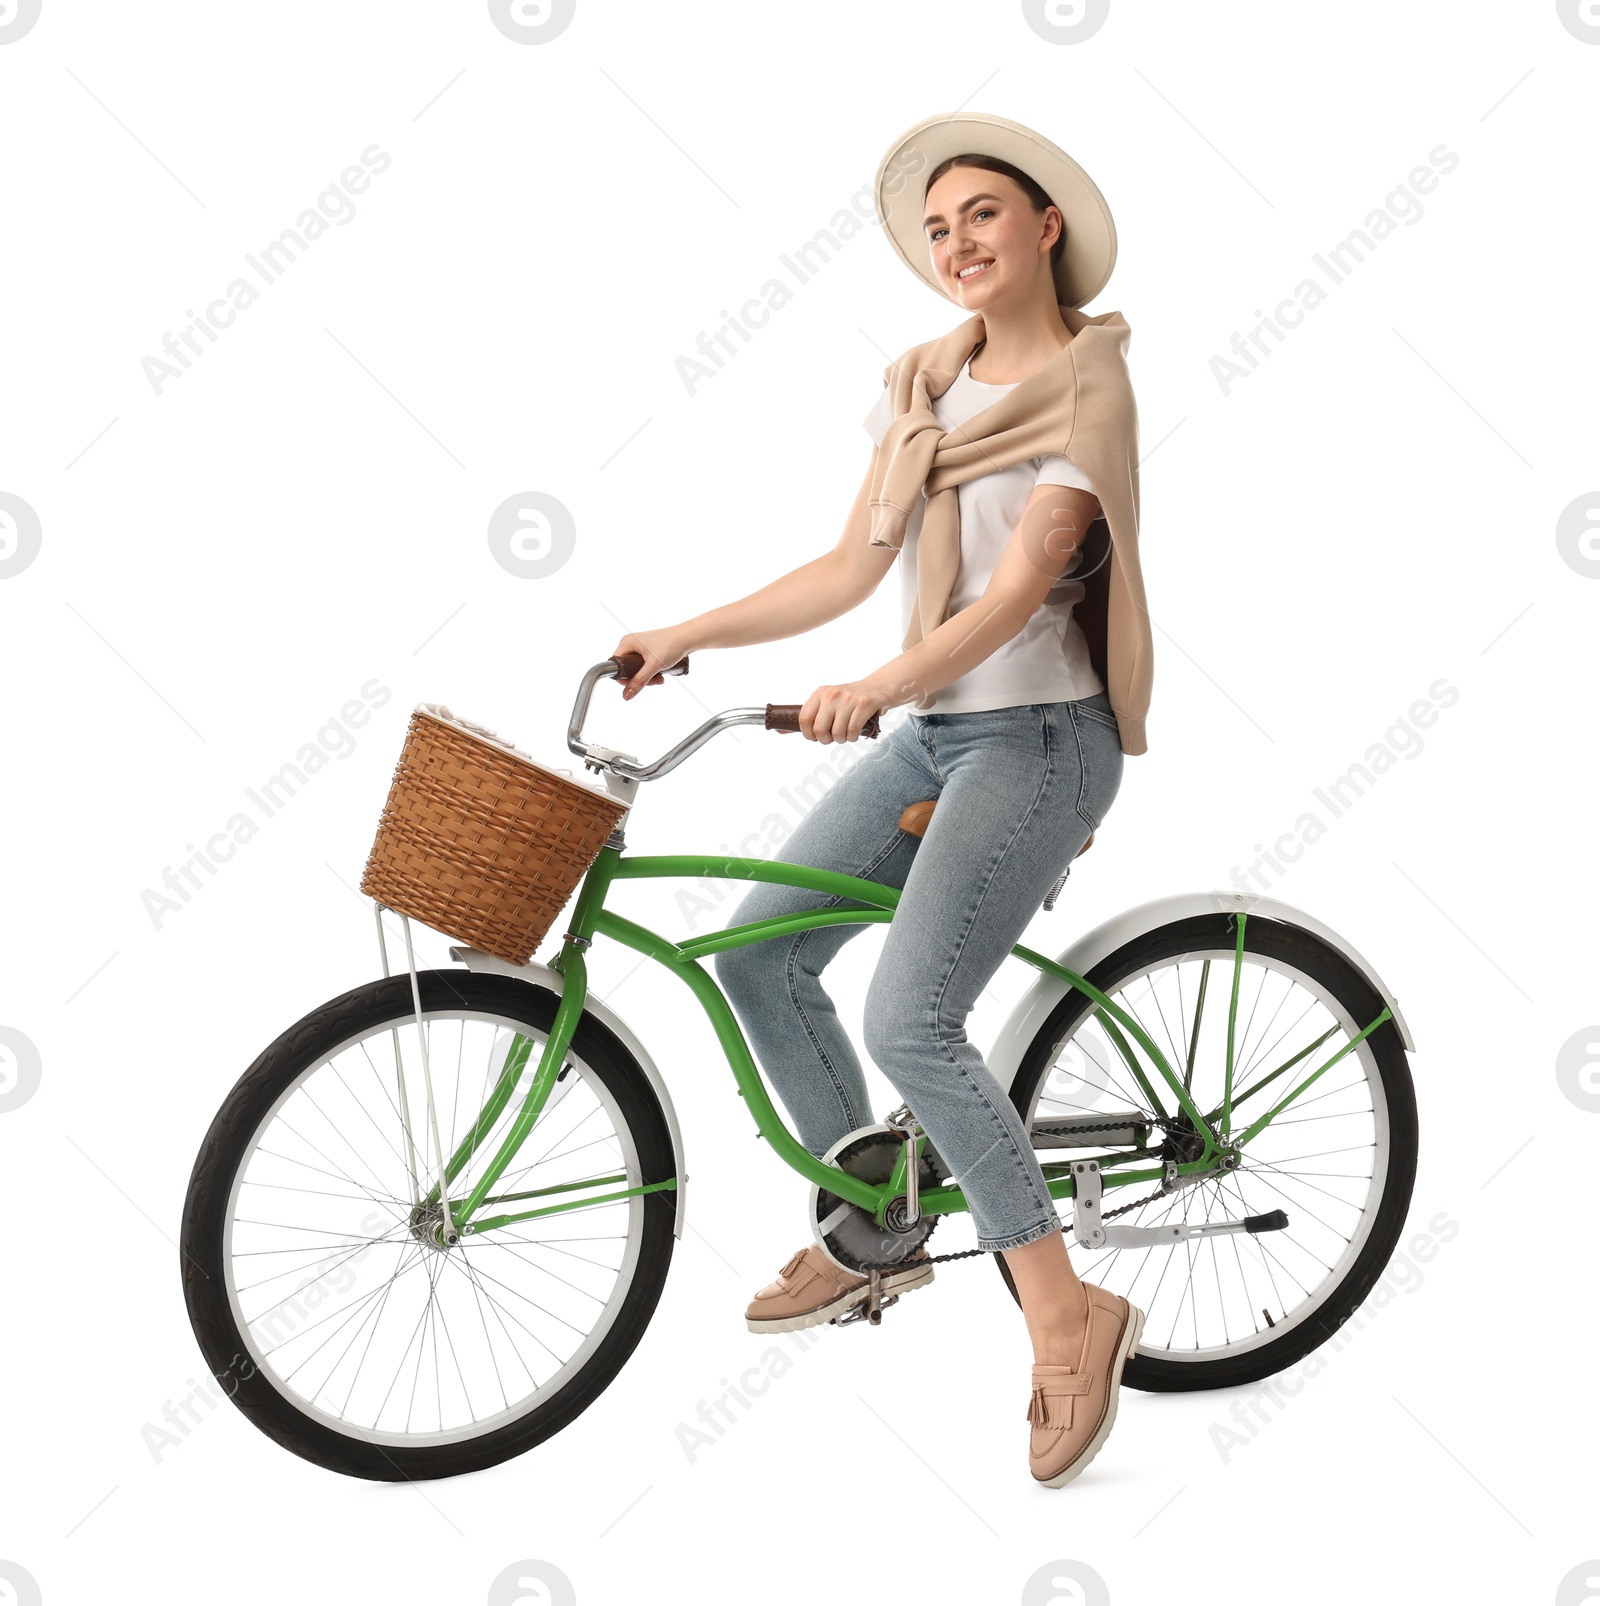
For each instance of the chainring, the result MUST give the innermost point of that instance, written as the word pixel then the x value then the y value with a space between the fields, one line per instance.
pixel 855 1240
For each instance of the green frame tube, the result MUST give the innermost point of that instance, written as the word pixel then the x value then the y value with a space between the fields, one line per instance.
pixel 867 902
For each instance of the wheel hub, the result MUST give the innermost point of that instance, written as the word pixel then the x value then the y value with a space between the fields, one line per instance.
pixel 427 1227
pixel 1182 1143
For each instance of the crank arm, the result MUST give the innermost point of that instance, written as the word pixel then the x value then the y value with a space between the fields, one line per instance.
pixel 905 1124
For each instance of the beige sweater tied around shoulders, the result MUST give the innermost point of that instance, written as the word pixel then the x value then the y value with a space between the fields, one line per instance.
pixel 1079 405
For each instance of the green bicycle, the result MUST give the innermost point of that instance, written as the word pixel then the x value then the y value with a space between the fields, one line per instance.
pixel 391 1317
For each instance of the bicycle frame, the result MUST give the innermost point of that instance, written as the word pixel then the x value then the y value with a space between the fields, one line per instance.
pixel 591 918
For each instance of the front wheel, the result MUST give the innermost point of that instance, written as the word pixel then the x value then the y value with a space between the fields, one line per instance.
pixel 1339 1160
pixel 313 1269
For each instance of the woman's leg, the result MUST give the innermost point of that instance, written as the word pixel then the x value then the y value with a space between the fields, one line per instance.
pixel 1054 1304
pixel 774 986
pixel 1022 788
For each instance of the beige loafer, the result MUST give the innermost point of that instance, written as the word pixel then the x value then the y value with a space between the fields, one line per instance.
pixel 1072 1407
pixel 811 1289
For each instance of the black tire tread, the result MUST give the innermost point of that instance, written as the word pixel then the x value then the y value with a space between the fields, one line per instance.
pixel 1317 958
pixel 210 1183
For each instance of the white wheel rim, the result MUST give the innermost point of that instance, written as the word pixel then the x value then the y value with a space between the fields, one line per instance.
pixel 1283 1260
pixel 474 1307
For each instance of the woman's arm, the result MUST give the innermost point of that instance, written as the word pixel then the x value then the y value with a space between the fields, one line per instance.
pixel 801 600
pixel 1050 530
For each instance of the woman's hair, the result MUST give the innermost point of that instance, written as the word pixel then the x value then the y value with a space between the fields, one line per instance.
pixel 993 164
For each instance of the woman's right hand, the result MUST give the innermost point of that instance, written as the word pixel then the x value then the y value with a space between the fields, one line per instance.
pixel 660 649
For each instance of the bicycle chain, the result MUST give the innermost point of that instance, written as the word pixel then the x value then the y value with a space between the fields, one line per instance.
pixel 967 1254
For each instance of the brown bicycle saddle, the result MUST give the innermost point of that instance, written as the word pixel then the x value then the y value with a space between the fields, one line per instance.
pixel 914 819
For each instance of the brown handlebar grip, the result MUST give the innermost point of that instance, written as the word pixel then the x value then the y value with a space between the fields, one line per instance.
pixel 786 717
pixel 630 663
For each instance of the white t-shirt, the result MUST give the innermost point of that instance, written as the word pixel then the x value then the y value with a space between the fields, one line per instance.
pixel 1047 661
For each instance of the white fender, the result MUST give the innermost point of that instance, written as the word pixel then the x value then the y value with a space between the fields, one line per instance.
pixel 1023 1024
pixel 544 976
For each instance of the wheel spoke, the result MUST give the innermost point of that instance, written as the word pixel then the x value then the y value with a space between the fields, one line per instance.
pixel 342 1291
pixel 1261 1169
pixel 355 1305
pixel 1225 1293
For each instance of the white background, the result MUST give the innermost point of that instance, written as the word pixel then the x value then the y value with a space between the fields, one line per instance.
pixel 225 564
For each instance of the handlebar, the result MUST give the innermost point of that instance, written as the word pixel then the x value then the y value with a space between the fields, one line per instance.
pixel 784 717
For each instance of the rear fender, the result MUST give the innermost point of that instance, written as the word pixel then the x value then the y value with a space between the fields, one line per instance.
pixel 1034 1007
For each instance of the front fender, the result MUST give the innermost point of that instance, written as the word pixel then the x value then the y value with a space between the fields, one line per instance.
pixel 544 976
pixel 1032 1009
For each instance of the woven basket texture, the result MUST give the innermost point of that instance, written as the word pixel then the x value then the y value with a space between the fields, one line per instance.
pixel 481 844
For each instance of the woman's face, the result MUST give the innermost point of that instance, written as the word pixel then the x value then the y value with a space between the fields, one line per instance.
pixel 985 241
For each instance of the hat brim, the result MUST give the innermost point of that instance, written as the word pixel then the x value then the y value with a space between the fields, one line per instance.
pixel 1091 249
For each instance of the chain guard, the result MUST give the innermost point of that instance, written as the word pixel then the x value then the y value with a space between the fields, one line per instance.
pixel 857 1241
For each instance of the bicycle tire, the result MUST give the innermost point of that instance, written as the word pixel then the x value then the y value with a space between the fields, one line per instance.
pixel 375 1006
pixel 1330 968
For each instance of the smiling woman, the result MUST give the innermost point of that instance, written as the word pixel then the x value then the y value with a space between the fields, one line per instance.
pixel 989 216
pixel 1000 448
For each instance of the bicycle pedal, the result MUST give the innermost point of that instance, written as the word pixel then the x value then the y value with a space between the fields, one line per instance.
pixel 866 1311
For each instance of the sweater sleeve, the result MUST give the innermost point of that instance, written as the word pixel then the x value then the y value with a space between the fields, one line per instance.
pixel 877 421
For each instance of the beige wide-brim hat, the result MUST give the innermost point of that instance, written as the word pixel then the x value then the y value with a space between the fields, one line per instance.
pixel 1091 249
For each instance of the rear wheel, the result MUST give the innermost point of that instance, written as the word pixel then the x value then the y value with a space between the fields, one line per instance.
pixel 324 1301
pixel 1339 1160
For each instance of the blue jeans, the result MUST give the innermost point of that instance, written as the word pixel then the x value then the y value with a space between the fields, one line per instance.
pixel 1019 790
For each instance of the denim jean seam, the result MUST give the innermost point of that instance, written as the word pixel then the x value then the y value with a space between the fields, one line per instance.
pixel 1083 774
pixel 994 1115
pixel 1045 1204
pixel 919 758
pixel 961 942
pixel 793 958
pixel 816 1042
pixel 1019 1239
pixel 929 750
pixel 1108 720
pixel 971 915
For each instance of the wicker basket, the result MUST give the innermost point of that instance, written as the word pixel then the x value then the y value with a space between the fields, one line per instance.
pixel 480 842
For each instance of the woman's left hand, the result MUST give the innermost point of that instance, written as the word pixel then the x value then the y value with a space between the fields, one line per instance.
pixel 837 713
